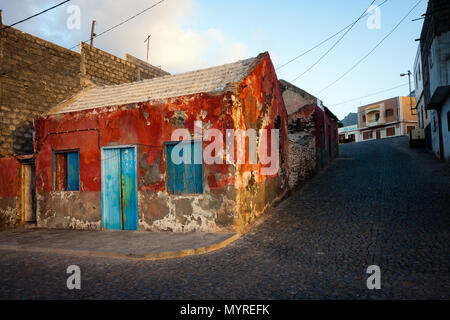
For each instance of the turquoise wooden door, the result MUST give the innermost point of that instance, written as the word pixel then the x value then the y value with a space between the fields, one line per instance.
pixel 119 192
pixel 111 212
pixel 129 192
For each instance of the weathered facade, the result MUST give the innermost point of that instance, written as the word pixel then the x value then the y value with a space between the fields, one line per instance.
pixel 387 118
pixel 9 191
pixel 313 137
pixel 115 128
pixel 35 75
pixel 435 62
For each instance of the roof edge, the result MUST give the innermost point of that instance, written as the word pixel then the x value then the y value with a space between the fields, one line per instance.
pixel 64 103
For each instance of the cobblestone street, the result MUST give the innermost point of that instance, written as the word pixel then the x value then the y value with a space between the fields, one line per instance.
pixel 379 203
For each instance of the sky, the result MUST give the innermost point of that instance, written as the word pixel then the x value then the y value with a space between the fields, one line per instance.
pixel 192 34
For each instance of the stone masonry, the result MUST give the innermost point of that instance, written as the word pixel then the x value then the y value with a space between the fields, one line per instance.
pixel 36 75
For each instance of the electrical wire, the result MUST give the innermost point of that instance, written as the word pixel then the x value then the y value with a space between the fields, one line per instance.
pixel 96 36
pixel 324 41
pixel 334 45
pixel 369 95
pixel 371 51
pixel 35 15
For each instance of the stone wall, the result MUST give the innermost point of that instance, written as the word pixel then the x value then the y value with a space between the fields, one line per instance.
pixel 103 68
pixel 302 158
pixel 36 75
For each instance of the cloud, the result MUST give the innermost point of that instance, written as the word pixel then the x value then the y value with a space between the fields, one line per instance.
pixel 175 44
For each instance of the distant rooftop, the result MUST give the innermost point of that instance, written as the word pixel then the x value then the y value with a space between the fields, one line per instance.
pixel 211 80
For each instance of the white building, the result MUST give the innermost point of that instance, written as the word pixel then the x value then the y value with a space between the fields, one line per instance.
pixel 423 115
pixel 434 54
pixel 349 133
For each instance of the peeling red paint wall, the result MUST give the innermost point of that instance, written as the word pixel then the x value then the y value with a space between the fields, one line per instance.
pixel 147 125
pixel 255 103
pixel 259 104
pixel 9 191
pixel 262 102
pixel 9 180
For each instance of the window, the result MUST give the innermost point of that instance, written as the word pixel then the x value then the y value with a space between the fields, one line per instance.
pixel 389 112
pixel 367 135
pixel 66 175
pixel 364 118
pixel 377 117
pixel 390 131
pixel 421 123
pixel 184 167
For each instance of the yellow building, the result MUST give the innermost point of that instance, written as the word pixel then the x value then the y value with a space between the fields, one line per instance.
pixel 387 118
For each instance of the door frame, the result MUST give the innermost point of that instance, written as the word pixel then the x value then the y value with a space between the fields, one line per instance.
pixel 135 169
pixel 32 186
pixel 378 134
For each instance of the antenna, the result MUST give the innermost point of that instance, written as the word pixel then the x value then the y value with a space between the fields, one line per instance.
pixel 148 44
pixel 92 32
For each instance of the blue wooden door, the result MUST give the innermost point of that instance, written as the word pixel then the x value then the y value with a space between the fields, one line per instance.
pixel 129 192
pixel 119 192
pixel 111 211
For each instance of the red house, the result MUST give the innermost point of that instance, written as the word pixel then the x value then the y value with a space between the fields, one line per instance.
pixel 103 157
pixel 313 134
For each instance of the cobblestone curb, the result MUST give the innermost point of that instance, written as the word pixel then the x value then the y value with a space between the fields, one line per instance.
pixel 146 257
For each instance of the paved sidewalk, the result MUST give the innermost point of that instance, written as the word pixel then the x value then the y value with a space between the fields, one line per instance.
pixel 114 244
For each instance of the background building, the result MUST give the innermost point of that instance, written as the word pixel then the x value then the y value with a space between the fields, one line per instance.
pixel 423 115
pixel 387 118
pixel 435 61
pixel 348 134
pixel 313 136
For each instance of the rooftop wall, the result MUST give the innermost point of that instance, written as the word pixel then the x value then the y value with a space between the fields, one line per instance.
pixel 36 75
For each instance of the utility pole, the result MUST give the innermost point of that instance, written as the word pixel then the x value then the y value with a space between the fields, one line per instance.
pixel 148 44
pixel 92 32
pixel 409 82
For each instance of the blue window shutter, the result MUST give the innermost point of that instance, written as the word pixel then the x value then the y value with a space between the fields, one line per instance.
pixel 185 177
pixel 198 178
pixel 189 172
pixel 194 170
pixel 170 170
pixel 73 171
pixel 198 166
pixel 175 173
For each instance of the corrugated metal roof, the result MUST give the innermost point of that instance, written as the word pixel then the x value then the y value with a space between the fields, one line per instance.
pixel 209 80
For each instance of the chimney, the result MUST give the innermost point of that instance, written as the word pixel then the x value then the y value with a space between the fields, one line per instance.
pixel 1 23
